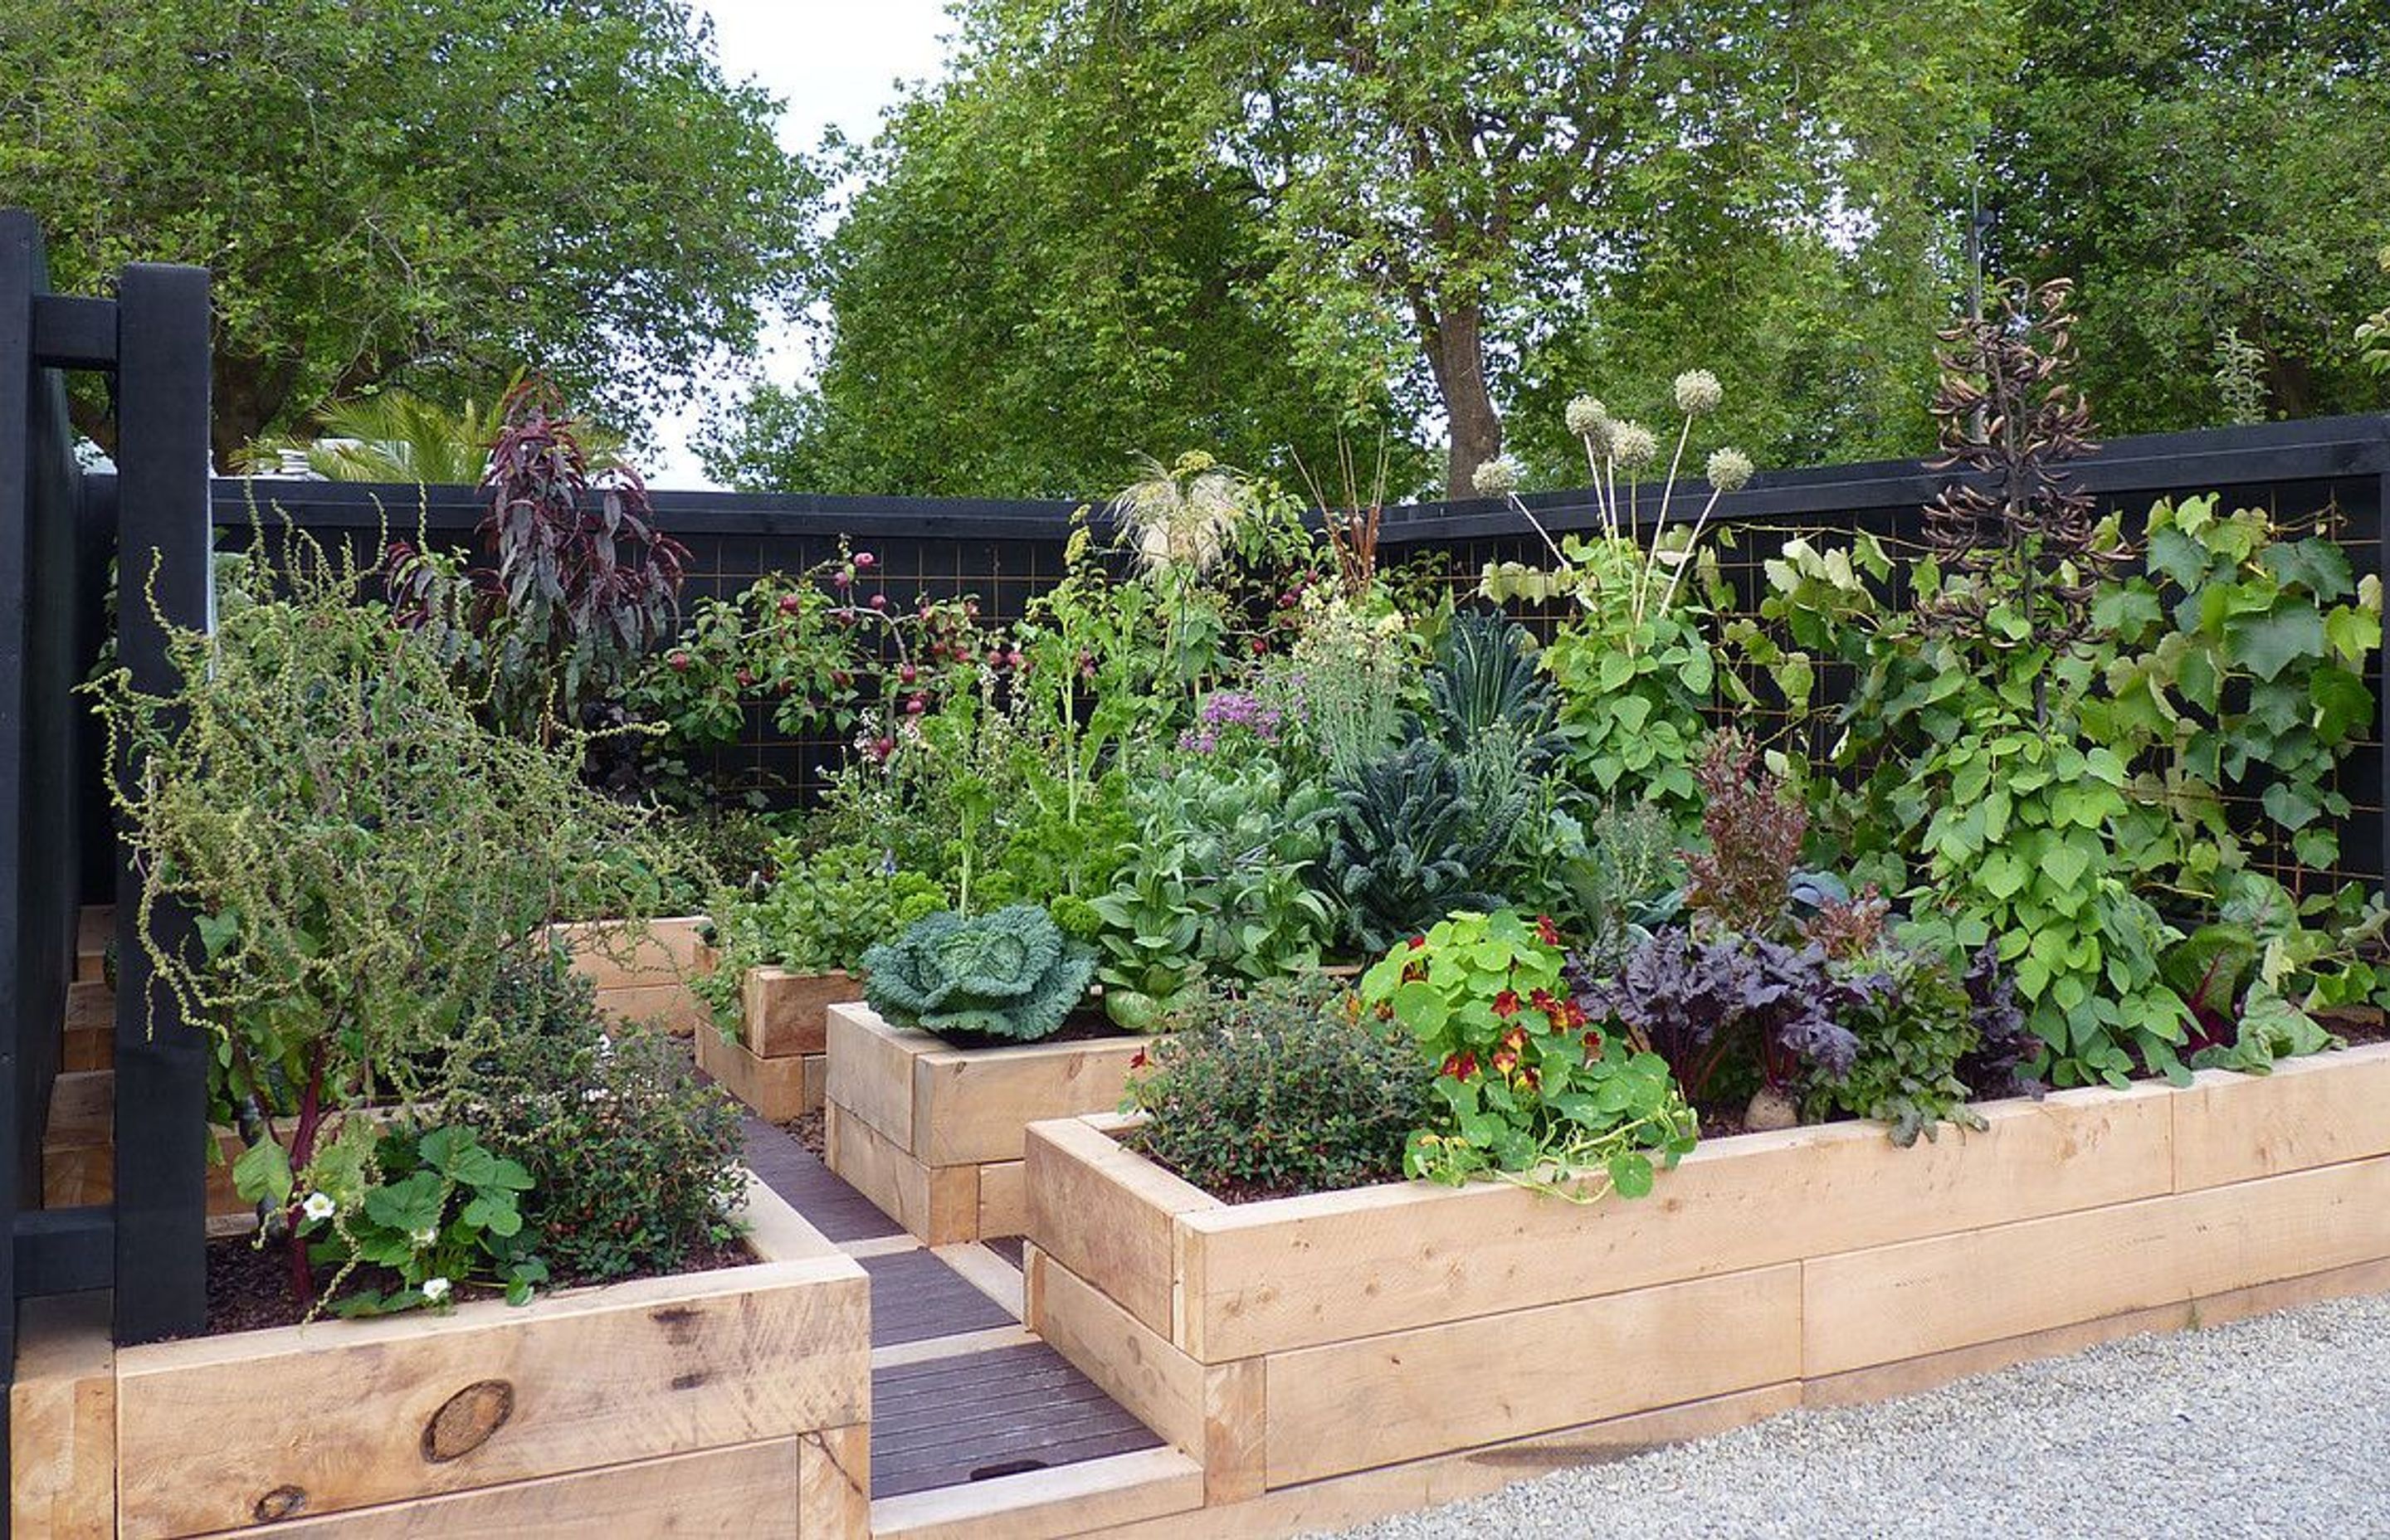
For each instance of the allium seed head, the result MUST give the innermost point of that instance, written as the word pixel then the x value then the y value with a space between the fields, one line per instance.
pixel 1632 446
pixel 1698 392
pixel 1496 478
pixel 1588 418
pixel 1729 470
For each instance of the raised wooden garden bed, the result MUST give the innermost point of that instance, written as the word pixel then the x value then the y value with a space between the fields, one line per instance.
pixel 642 979
pixel 1288 1341
pixel 933 1133
pixel 734 1400
pixel 779 1062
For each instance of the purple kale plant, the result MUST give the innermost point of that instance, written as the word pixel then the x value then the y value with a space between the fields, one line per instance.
pixel 1700 1001
pixel 2004 1044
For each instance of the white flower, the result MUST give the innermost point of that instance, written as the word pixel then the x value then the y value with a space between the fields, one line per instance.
pixel 319 1205
pixel 1496 478
pixel 1632 446
pixel 1729 470
pixel 1698 392
pixel 1588 418
pixel 435 1289
pixel 424 1238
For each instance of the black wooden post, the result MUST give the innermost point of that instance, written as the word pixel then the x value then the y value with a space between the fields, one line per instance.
pixel 19 252
pixel 163 560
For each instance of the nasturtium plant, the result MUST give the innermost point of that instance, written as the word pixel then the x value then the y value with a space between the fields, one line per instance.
pixel 1532 1091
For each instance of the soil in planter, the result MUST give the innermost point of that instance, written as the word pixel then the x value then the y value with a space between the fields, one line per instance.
pixel 249 1289
pixel 1087 1024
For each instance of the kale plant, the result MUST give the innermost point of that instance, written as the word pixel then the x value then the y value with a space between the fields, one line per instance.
pixel 1699 1002
pixel 1484 677
pixel 1011 976
pixel 1410 849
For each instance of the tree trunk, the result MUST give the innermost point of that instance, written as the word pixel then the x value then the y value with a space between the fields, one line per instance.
pixel 1454 340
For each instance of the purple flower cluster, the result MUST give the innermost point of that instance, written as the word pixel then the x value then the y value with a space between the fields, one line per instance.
pixel 1226 714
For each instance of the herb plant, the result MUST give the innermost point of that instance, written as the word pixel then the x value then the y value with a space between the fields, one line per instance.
pixel 1278 1087
pixel 362 857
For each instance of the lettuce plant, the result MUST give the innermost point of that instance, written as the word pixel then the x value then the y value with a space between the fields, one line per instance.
pixel 1011 976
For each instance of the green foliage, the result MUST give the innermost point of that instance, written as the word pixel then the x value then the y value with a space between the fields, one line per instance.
pixel 1220 880
pixel 633 1167
pixel 1347 681
pixel 574 186
pixel 1011 976
pixel 2197 167
pixel 2038 799
pixel 823 912
pixel 1279 1089
pixel 1531 1091
pixel 1615 877
pixel 825 650
pixel 2241 660
pixel 1915 1027
pixel 436 1208
pixel 1407 848
pixel 1034 279
pixel 1633 693
pixel 362 857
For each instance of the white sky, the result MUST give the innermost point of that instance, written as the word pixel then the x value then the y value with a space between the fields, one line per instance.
pixel 829 62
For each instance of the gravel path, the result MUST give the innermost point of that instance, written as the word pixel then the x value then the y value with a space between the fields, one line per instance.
pixel 2275 1427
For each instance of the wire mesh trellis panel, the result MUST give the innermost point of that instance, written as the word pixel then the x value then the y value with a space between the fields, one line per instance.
pixel 2328 472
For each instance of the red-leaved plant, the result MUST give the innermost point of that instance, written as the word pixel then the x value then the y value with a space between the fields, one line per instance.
pixel 1744 880
pixel 585 582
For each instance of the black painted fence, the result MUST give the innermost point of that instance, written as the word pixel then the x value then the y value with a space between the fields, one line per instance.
pixel 57 530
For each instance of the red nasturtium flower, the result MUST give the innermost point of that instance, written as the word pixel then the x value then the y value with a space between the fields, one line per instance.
pixel 1548 934
pixel 1506 1005
pixel 1460 1066
pixel 1138 1061
pixel 1418 941
pixel 1505 1061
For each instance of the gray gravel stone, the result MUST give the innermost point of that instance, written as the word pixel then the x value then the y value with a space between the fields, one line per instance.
pixel 2270 1428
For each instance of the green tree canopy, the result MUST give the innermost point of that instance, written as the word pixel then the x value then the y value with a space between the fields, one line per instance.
pixel 1035 282
pixel 2200 166
pixel 1246 224
pixel 432 194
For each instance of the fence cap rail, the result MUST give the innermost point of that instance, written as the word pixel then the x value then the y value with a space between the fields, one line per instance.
pixel 2312 449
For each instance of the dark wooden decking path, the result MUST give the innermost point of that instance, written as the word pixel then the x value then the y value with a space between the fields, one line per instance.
pixel 960 1392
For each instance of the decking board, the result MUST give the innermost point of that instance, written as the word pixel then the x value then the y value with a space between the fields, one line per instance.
pixel 934 1423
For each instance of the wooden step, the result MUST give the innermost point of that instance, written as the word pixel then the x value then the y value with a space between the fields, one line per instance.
pixel 89 1039
pixel 95 933
pixel 79 1145
pixel 1038 1505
